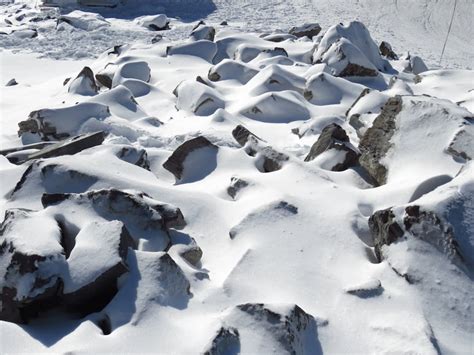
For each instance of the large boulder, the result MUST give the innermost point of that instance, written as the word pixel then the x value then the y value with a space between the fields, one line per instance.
pixel 350 51
pixel 391 149
pixel 31 264
pixel 267 328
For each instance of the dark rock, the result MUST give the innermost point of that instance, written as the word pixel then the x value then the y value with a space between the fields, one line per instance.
pixel 384 229
pixel 84 83
pixel 156 39
pixel 270 160
pixel 175 162
pixel 192 254
pixel 376 141
pixel 236 184
pixel 138 209
pixel 386 50
pixel 104 80
pixel 200 23
pixel 225 342
pixel 135 156
pixel 423 225
pixel 39 145
pixel 369 290
pixel 224 23
pixel 356 70
pixel 362 94
pixel 11 82
pixel 288 328
pixel 26 285
pixel 334 137
pixel 462 147
pixel 309 30
pixel 69 146
pixel 242 134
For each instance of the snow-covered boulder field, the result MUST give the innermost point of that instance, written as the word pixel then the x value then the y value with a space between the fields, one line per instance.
pixel 299 192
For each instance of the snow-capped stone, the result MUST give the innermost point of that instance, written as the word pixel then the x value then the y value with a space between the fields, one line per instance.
pixel 138 70
pixel 154 22
pixel 95 263
pixel 371 288
pixel 229 69
pixel 154 279
pixel 325 89
pixel 203 32
pixel 105 76
pixel 84 83
pixel 69 146
pixel 198 98
pixel 309 30
pixel 357 47
pixel 264 328
pixel 191 253
pixel 86 21
pixel 55 124
pixel 226 341
pixel 133 155
pixel 333 137
pixel 416 65
pixel 31 263
pixel 177 161
pixel 274 78
pixel 388 157
pixel 203 49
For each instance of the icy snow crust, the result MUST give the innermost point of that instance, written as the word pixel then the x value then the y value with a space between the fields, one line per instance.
pixel 274 230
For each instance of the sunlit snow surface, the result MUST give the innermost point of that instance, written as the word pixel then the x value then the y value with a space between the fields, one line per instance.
pixel 295 236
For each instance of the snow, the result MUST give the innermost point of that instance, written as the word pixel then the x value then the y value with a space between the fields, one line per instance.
pixel 297 235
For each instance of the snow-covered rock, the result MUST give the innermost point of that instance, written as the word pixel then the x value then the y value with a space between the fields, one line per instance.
pixel 154 22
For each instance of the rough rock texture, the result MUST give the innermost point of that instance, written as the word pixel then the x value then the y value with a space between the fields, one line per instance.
pixel 134 156
pixel 29 279
pixel 288 328
pixel 225 342
pixel 69 146
pixel 174 163
pixel 462 145
pixel 334 137
pixel 192 254
pixel 418 223
pixel 309 30
pixel 387 51
pixel 137 208
pixel 376 141
pixel 236 185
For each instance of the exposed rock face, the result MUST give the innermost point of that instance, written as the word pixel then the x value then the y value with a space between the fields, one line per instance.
pixel 137 209
pixel 462 145
pixel 384 229
pixel 175 162
pixel 376 141
pixel 309 30
pixel 134 156
pixel 29 279
pixel 421 224
pixel 11 82
pixel 288 328
pixel 84 83
pixel 192 254
pixel 387 51
pixel 69 146
pixel 334 137
pixel 242 134
pixel 225 342
pixel 236 184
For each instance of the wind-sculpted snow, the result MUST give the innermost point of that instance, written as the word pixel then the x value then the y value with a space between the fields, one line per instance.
pixel 244 193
